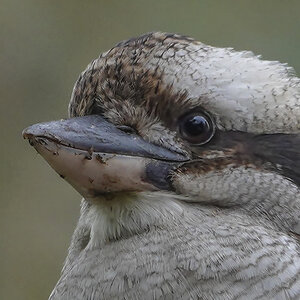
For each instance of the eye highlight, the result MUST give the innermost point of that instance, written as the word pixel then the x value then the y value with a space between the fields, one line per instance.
pixel 196 128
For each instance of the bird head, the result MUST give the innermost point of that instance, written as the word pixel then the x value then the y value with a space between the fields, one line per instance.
pixel 165 113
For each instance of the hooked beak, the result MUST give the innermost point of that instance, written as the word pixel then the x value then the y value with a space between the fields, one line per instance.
pixel 95 157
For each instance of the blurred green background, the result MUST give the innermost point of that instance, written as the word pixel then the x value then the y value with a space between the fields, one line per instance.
pixel 44 47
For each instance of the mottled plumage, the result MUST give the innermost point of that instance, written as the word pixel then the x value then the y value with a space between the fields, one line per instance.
pixel 223 223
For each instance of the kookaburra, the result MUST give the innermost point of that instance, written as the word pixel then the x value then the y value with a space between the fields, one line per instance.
pixel 187 157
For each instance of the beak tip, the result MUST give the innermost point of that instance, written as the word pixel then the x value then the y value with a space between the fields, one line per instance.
pixel 29 134
pixel 26 133
pixel 33 131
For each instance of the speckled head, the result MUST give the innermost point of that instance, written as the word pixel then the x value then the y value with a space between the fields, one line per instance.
pixel 164 75
pixel 223 119
pixel 150 82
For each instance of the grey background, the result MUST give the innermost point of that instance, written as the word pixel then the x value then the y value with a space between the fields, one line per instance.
pixel 44 46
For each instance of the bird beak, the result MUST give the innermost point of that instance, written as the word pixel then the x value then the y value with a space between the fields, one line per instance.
pixel 95 157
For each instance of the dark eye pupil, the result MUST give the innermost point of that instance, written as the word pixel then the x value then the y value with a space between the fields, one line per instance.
pixel 196 125
pixel 196 128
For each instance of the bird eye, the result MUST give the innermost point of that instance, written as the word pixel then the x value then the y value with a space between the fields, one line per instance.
pixel 196 128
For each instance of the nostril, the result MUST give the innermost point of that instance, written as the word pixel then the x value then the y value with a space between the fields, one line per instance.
pixel 127 129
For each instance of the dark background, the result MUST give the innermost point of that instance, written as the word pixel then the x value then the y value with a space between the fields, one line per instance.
pixel 44 47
